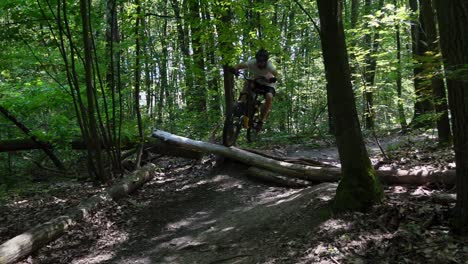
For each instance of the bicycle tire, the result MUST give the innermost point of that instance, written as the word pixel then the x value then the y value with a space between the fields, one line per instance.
pixel 232 126
pixel 252 133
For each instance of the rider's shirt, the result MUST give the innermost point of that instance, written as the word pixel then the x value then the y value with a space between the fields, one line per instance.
pixel 267 72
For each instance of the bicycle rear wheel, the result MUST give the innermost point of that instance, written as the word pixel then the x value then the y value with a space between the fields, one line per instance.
pixel 252 131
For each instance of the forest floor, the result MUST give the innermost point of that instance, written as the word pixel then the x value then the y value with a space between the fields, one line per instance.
pixel 198 211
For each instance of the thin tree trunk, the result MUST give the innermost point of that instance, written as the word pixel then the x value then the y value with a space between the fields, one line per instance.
pixel 95 162
pixel 226 39
pixel 182 36
pixel 372 44
pixel 164 76
pixel 423 104
pixel 359 189
pixel 196 95
pixel 401 110
pixel 437 83
pixel 354 12
pixel 137 82
pixel 213 84
pixel 112 40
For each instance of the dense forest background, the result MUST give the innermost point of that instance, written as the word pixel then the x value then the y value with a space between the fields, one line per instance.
pixel 89 88
pixel 164 59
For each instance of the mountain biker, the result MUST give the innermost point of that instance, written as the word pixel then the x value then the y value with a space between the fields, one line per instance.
pixel 265 74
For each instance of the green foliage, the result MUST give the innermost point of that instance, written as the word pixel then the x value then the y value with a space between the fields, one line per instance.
pixel 34 84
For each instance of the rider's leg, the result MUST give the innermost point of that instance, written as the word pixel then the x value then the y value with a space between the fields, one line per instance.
pixel 247 88
pixel 266 108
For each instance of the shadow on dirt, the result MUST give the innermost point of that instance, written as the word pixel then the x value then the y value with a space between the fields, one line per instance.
pixel 223 219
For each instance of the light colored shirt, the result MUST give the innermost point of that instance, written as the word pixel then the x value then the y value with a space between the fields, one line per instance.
pixel 267 72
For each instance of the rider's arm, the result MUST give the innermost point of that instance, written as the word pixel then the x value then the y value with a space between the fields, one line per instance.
pixel 241 66
pixel 276 74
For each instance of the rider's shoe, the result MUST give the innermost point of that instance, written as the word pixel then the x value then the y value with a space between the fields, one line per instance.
pixel 259 126
pixel 245 121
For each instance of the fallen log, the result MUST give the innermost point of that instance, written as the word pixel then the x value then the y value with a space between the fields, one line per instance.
pixel 274 178
pixel 30 241
pixel 20 144
pixel 151 144
pixel 306 172
pixel 28 132
pixel 299 160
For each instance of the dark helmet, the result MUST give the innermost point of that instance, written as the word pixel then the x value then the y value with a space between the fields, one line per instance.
pixel 262 55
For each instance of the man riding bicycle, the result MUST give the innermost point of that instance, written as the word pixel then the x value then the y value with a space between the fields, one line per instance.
pixel 265 76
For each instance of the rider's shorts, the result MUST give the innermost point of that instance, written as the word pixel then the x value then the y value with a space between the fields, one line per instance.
pixel 264 89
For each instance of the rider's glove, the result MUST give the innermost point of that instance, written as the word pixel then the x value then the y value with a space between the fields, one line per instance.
pixel 234 71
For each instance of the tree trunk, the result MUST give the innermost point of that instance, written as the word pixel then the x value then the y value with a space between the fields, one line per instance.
pixel 401 110
pixel 453 18
pixel 423 102
pixel 30 241
pixel 354 13
pixel 196 95
pixel 95 160
pixel 372 44
pixel 226 39
pixel 137 74
pixel 213 69
pixel 164 75
pixel 437 83
pixel 182 37
pixel 359 189
pixel 113 67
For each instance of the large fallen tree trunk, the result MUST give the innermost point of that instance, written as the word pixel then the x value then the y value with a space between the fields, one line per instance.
pixel 305 172
pixel 274 178
pixel 23 245
pixel 310 173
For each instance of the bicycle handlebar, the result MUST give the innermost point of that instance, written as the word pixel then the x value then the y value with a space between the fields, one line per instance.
pixel 238 73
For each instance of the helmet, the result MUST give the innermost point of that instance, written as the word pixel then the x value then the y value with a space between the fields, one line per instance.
pixel 262 55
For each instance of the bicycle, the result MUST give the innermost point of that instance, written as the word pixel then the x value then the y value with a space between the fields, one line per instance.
pixel 245 114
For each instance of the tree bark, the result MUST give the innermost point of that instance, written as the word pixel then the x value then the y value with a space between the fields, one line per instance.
pixel 226 39
pixel 354 13
pixel 423 102
pixel 137 74
pixel 196 95
pixel 401 110
pixel 95 160
pixel 359 189
pixel 27 243
pixel 113 67
pixel 453 18
pixel 372 44
pixel 437 82
pixel 164 74
pixel 182 37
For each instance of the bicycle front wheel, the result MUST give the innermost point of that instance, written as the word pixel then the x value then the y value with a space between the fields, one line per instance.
pixel 232 126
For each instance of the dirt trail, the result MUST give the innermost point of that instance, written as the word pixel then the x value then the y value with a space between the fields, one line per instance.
pixel 193 212
pixel 223 219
